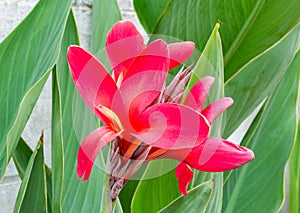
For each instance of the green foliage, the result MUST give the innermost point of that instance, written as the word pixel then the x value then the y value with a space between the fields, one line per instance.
pixel 109 11
pixel 257 79
pixel 26 56
pixel 248 28
pixel 258 186
pixel 160 190
pixel 32 196
pixel 21 158
pixel 260 39
pixel 295 175
pixel 211 63
pixel 202 192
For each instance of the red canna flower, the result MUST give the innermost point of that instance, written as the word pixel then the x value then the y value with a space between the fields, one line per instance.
pixel 143 119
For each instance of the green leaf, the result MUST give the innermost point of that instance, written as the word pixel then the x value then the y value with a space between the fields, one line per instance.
pixel 248 28
pixel 26 57
pixel 109 11
pixel 160 190
pixel 21 158
pixel 211 63
pixel 56 146
pixel 71 124
pixel 196 201
pixel 149 12
pixel 257 79
pixel 126 195
pixel 33 189
pixel 295 175
pixel 58 124
pixel 258 186
pixel 118 208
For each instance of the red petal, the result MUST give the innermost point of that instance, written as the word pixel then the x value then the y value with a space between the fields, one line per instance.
pixel 154 58
pixel 142 83
pixel 212 111
pixel 93 82
pixel 123 44
pixel 179 52
pixel 213 155
pixel 171 126
pixel 199 92
pixel 184 174
pixel 90 148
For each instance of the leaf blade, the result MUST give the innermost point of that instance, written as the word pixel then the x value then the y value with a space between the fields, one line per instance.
pixel 249 88
pixel 271 139
pixel 27 55
pixel 295 175
pixel 32 193
pixel 201 192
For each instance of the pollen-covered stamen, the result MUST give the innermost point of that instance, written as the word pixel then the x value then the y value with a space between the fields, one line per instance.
pixel 120 79
pixel 176 87
pixel 115 121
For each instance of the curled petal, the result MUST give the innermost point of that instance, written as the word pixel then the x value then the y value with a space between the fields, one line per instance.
pixel 212 111
pixel 197 96
pixel 90 148
pixel 184 174
pixel 179 52
pixel 155 57
pixel 93 82
pixel 142 83
pixel 123 44
pixel 169 126
pixel 213 155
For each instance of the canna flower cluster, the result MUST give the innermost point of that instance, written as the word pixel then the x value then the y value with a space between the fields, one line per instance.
pixel 145 119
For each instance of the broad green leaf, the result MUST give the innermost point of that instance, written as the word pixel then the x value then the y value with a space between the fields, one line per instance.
pixel 56 145
pixel 215 200
pixel 257 79
pixel 258 186
pixel 26 56
pixel 196 201
pixel 76 122
pixel 118 208
pixel 21 158
pixel 32 193
pixel 211 63
pixel 72 123
pixel 155 193
pixel 248 27
pixel 149 12
pixel 127 193
pixel 103 10
pixel 295 175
